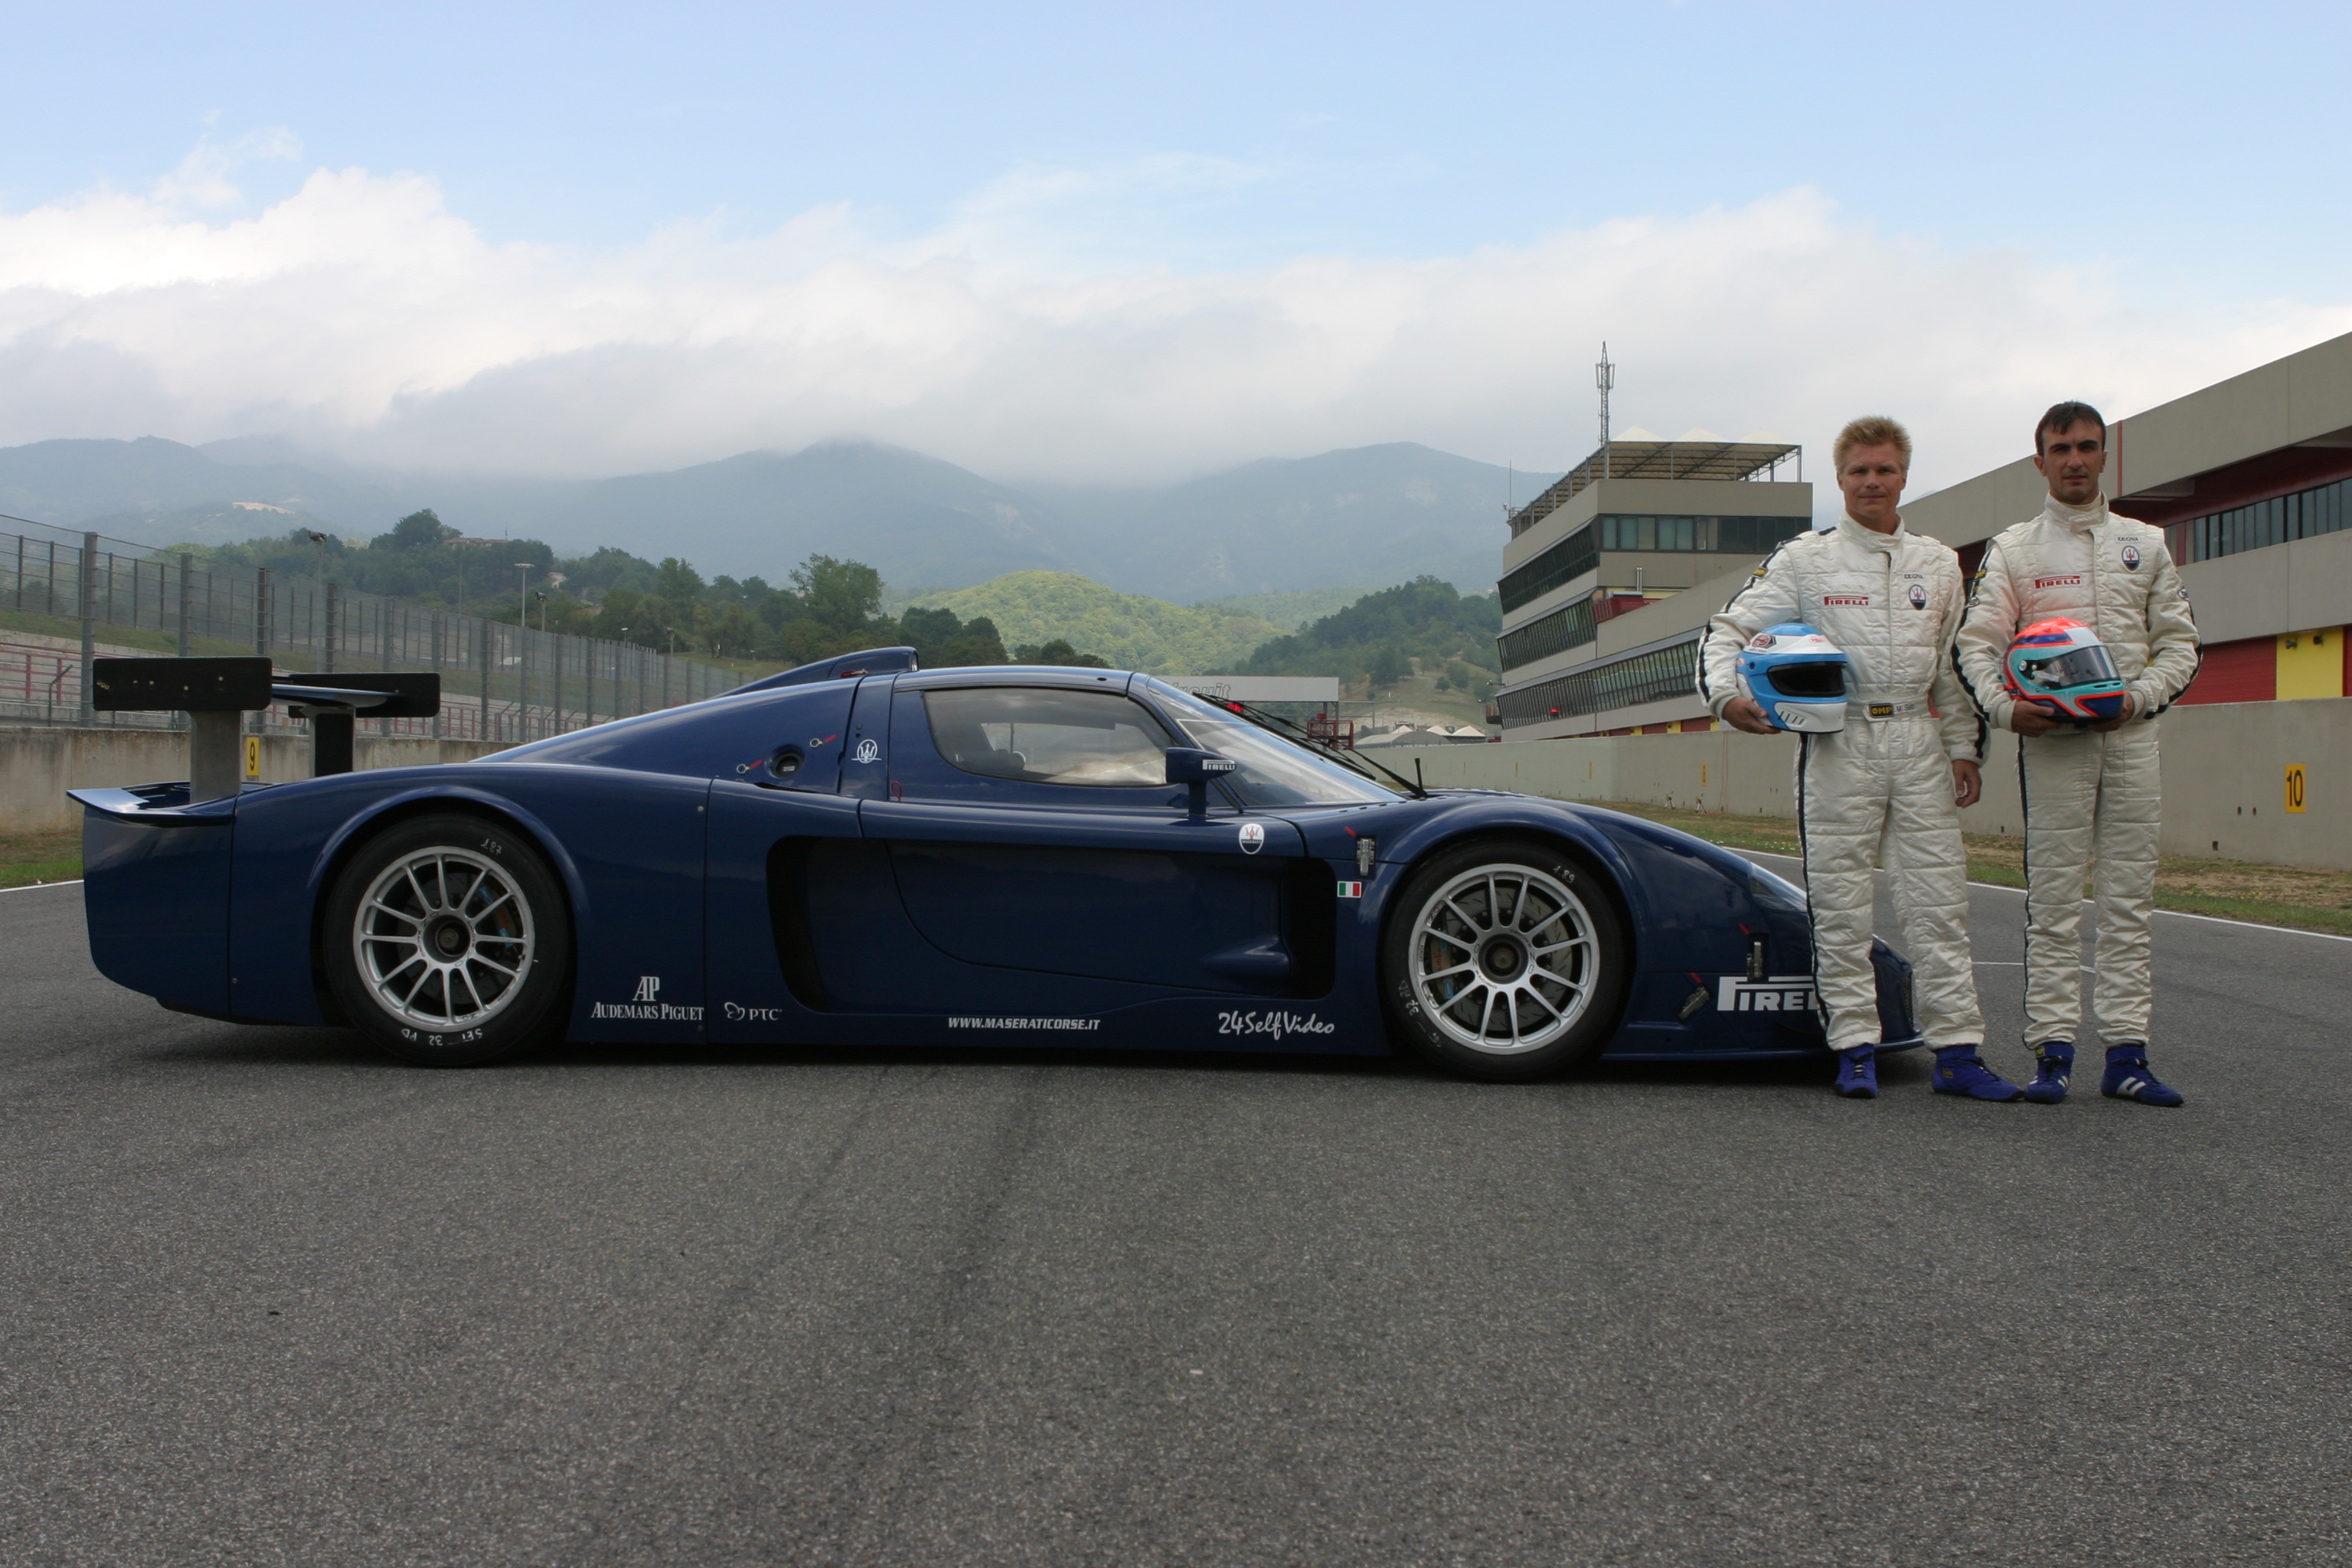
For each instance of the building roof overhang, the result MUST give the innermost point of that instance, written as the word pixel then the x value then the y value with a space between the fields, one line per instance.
pixel 1724 461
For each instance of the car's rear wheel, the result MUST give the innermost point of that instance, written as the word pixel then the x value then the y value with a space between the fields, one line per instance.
pixel 1504 959
pixel 447 941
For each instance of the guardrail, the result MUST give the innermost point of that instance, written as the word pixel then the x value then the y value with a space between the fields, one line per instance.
pixel 500 681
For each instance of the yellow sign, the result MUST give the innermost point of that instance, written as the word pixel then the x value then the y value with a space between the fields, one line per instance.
pixel 253 759
pixel 2294 786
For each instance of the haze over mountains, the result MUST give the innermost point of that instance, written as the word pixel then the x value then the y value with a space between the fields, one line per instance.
pixel 1364 517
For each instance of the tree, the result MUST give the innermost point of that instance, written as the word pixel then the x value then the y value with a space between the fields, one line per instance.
pixel 678 581
pixel 841 597
pixel 418 530
pixel 1058 651
pixel 1388 668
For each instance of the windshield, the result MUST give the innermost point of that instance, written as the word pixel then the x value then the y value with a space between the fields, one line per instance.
pixel 1272 772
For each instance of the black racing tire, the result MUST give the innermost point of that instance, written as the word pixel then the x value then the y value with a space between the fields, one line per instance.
pixel 447 941
pixel 1505 960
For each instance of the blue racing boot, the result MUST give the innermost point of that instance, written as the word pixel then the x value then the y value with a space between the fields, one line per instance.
pixel 2053 1064
pixel 1857 1075
pixel 2128 1078
pixel 1958 1071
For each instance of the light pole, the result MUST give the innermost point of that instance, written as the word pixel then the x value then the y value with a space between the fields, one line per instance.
pixel 542 615
pixel 523 608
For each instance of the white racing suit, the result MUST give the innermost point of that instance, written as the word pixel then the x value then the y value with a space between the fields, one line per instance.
pixel 1884 784
pixel 2085 794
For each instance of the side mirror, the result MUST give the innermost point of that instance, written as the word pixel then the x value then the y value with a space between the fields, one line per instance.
pixel 1193 768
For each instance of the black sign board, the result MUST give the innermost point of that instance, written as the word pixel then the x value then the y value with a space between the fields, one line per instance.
pixel 180 685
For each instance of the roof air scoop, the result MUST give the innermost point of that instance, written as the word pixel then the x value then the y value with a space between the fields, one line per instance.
pixel 840 666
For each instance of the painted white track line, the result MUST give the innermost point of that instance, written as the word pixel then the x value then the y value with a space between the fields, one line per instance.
pixel 2172 914
pixel 36 887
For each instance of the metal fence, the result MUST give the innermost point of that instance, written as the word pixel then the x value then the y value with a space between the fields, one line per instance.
pixel 500 681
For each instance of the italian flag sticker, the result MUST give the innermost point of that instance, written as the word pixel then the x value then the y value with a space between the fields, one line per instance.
pixel 1352 889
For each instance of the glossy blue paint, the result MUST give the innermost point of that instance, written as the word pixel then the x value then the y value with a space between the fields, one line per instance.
pixel 155 892
pixel 805 863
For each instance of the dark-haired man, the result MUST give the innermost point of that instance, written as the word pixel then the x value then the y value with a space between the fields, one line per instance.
pixel 1891 782
pixel 2085 789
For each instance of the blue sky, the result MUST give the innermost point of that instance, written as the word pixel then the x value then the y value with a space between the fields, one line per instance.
pixel 2166 184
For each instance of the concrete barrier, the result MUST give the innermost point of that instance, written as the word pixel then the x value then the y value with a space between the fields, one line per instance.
pixel 2225 777
pixel 38 762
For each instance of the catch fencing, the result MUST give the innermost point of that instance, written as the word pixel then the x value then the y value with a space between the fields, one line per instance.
pixel 500 681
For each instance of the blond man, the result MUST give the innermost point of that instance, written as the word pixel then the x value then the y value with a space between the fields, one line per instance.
pixel 1891 783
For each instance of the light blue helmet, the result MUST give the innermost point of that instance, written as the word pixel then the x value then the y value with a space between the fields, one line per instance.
pixel 1797 675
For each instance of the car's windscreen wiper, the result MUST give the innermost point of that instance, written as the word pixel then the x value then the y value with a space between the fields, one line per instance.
pixel 1287 730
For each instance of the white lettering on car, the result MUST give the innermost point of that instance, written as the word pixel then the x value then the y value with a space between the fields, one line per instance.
pixel 1274 1025
pixel 1047 1026
pixel 1780 994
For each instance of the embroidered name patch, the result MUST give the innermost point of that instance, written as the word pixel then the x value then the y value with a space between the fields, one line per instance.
pixel 2075 580
pixel 1860 601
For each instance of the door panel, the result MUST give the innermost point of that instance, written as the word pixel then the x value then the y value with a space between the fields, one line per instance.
pixel 1131 896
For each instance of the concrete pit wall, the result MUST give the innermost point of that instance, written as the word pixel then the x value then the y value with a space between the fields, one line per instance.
pixel 38 762
pixel 2225 777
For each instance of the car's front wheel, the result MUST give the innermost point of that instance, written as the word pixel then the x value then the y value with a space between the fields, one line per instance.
pixel 447 941
pixel 1503 961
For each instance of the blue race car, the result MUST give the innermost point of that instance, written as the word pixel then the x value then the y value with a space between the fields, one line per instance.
pixel 860 852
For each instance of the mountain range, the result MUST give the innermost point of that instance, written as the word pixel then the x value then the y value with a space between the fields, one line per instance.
pixel 1363 517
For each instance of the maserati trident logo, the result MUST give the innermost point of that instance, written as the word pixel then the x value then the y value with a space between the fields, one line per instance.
pixel 1252 837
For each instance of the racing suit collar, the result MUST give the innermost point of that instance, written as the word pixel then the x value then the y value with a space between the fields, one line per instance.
pixel 2066 516
pixel 1861 533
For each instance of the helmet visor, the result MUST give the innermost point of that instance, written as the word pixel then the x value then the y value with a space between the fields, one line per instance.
pixel 1816 677
pixel 2071 667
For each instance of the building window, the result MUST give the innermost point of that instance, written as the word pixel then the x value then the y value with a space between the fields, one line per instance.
pixel 1564 562
pixel 2307 514
pixel 1656 676
pixel 1581 551
pixel 1716 535
pixel 1566 627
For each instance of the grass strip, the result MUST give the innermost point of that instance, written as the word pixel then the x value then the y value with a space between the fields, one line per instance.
pixel 27 860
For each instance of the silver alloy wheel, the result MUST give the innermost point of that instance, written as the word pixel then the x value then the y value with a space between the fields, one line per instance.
pixel 444 940
pixel 1504 959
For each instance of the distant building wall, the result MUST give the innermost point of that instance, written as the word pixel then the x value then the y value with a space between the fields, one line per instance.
pixel 2225 769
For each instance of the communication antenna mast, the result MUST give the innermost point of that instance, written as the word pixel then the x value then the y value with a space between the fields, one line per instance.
pixel 1604 375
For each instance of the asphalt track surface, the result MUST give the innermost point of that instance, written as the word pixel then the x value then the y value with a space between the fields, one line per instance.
pixel 266 1298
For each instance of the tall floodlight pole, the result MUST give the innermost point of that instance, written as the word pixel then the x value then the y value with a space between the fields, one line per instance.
pixel 1604 375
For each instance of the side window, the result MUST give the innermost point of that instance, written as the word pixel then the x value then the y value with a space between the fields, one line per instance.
pixel 1042 736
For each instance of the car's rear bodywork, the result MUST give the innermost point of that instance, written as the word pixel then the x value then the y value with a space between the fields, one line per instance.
pixel 800 864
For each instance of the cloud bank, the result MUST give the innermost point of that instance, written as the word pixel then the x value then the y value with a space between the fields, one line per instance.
pixel 1027 339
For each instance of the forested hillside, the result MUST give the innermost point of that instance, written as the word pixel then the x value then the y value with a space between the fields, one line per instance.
pixel 1128 630
pixel 1376 641
pixel 826 605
